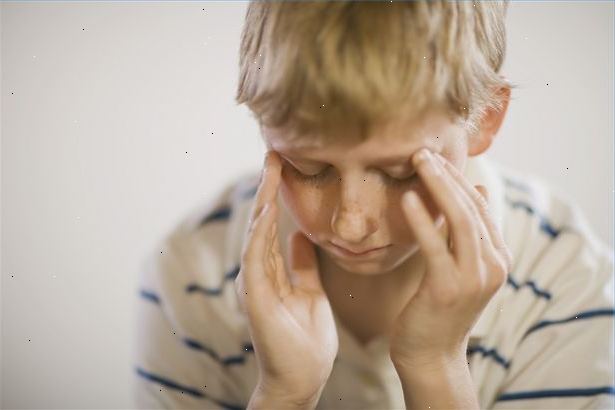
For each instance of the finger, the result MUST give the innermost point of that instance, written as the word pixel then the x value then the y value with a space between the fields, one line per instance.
pixel 487 250
pixel 254 258
pixel 467 194
pixel 476 202
pixel 495 233
pixel 303 267
pixel 433 246
pixel 483 191
pixel 282 281
pixel 240 291
pixel 481 201
pixel 466 246
pixel 269 183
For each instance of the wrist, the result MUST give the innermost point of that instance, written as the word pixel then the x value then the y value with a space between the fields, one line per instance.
pixel 426 366
pixel 269 396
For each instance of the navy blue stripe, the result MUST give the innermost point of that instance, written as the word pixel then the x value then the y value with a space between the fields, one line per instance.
pixel 250 193
pixel 193 287
pixel 233 360
pixel 237 359
pixel 531 284
pixel 578 316
pixel 545 225
pixel 230 275
pixel 538 394
pixel 230 360
pixel 198 346
pixel 221 214
pixel 488 352
pixel 149 296
pixel 169 383
pixel 516 184
pixel 191 391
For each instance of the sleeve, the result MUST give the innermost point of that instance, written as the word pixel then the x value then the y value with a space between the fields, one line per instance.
pixel 565 359
pixel 168 372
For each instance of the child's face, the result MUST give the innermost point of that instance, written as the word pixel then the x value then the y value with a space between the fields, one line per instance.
pixel 356 202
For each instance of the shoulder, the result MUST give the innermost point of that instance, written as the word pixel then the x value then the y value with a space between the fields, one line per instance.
pixel 557 302
pixel 547 231
pixel 190 271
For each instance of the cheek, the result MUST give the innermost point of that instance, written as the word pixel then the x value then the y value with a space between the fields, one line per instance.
pixel 304 202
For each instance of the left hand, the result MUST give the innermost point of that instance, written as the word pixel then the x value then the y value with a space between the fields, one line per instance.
pixel 433 329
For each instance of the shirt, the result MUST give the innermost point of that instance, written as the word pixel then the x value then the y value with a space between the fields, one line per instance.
pixel 544 340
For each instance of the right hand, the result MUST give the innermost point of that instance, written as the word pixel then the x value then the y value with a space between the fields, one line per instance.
pixel 290 319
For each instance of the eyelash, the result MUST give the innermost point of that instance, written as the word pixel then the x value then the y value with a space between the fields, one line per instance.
pixel 320 177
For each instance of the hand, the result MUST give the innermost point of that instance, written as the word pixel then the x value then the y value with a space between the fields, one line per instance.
pixel 433 328
pixel 290 319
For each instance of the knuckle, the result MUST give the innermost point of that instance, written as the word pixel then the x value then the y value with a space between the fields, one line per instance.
pixel 497 275
pixel 481 202
pixel 475 286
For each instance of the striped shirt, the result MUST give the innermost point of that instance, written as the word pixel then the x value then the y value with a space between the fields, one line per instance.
pixel 545 339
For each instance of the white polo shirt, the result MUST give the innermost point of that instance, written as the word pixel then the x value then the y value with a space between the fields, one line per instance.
pixel 544 341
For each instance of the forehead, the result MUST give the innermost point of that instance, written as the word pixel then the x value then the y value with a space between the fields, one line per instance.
pixel 390 144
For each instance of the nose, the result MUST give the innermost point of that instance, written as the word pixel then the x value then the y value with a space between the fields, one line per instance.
pixel 353 223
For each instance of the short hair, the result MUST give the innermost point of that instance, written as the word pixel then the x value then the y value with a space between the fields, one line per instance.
pixel 337 69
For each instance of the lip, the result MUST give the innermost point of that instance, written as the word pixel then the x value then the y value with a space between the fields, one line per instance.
pixel 348 253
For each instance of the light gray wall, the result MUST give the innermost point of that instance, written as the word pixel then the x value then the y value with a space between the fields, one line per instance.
pixel 108 111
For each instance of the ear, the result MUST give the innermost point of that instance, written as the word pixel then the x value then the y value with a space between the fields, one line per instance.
pixel 489 125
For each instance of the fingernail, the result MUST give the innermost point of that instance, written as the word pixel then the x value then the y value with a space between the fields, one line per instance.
pixel 434 167
pixel 423 154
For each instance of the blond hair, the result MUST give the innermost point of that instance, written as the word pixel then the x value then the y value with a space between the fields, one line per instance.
pixel 339 69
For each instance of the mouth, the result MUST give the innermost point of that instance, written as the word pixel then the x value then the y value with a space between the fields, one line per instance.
pixel 348 253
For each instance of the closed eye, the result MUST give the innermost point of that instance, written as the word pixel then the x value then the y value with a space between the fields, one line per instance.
pixel 320 178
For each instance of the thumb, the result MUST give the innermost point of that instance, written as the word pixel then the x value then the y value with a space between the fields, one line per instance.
pixel 303 265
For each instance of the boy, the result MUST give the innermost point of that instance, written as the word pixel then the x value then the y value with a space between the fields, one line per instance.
pixel 489 291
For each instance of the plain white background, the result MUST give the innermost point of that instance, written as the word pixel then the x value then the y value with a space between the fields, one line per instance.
pixel 118 118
